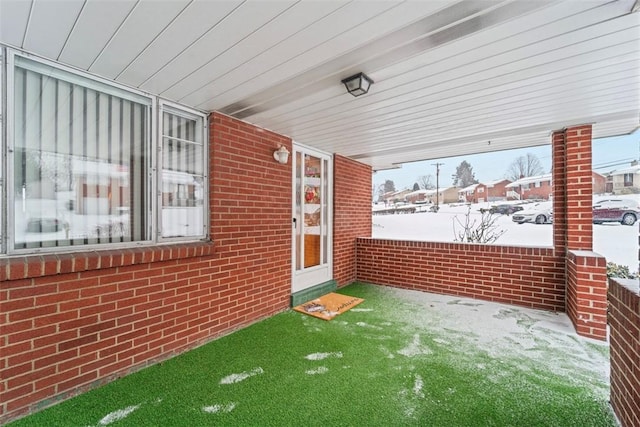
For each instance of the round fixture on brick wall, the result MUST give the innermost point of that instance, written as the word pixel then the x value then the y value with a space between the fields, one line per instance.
pixel 281 155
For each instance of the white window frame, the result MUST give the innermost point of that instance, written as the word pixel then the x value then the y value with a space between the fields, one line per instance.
pixel 187 112
pixel 153 213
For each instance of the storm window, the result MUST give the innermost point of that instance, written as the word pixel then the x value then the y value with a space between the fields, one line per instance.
pixel 82 161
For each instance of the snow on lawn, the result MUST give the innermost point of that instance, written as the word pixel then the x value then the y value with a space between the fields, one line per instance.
pixel 236 378
pixel 526 338
pixel 618 243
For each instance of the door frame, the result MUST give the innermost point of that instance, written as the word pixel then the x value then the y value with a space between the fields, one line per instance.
pixel 307 277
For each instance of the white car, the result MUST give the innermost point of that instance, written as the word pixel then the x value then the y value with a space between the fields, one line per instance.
pixel 539 213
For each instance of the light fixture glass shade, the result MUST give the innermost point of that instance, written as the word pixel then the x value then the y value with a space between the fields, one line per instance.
pixel 281 155
pixel 358 84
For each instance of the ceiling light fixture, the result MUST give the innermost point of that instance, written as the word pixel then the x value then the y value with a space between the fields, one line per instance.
pixel 358 84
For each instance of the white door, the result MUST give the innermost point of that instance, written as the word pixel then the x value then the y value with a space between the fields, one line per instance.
pixel 312 218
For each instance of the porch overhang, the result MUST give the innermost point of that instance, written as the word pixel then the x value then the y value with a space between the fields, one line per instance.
pixel 451 77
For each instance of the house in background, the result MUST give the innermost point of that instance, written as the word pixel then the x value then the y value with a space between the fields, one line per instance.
pixel 624 181
pixel 531 187
pixel 497 189
pixel 490 191
pixel 395 196
pixel 468 194
pixel 418 196
pixel 444 195
pixel 599 183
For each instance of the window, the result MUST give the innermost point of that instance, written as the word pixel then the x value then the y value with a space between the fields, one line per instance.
pixel 81 163
pixel 183 179
pixel 628 180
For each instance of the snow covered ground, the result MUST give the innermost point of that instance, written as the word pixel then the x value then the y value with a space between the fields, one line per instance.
pixel 618 243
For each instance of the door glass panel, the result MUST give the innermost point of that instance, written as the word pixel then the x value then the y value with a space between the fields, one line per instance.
pixel 313 196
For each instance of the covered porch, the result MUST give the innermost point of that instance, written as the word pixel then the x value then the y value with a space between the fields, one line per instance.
pixel 449 78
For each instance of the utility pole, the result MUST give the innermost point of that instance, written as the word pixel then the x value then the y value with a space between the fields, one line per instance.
pixel 437 165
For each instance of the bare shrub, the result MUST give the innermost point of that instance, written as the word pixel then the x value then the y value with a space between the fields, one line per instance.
pixel 484 230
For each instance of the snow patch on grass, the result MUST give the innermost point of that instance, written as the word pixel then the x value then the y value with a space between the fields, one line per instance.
pixel 417 386
pixel 322 356
pixel 366 325
pixel 534 342
pixel 236 378
pixel 214 409
pixel 317 371
pixel 118 415
pixel 414 348
pixel 386 352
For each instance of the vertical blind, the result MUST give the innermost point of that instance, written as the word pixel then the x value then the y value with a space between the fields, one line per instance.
pixel 81 160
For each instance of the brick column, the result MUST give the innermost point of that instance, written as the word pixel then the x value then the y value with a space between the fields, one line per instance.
pixel 586 301
pixel 586 281
pixel 579 188
pixel 352 214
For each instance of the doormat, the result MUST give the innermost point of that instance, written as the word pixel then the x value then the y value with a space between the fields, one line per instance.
pixel 328 306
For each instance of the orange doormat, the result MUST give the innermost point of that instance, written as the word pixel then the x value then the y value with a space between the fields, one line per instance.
pixel 328 306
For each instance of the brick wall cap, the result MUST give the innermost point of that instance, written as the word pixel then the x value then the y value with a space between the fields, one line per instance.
pixel 582 253
pixel 632 284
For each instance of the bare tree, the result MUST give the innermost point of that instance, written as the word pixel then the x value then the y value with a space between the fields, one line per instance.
pixel 523 167
pixel 426 182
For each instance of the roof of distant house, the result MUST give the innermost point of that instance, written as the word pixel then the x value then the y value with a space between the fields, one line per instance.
pixel 469 188
pixel 418 192
pixel 529 180
pixel 495 182
pixel 631 169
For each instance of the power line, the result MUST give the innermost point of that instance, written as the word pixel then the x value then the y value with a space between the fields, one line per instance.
pixel 613 163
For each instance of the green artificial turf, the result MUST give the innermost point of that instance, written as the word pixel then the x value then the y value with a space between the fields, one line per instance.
pixel 384 364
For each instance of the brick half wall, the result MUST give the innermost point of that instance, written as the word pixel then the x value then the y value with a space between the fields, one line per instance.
pixel 529 277
pixel 624 340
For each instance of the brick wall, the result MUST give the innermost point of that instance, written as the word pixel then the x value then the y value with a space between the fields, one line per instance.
pixel 579 188
pixel 69 322
pixel 573 230
pixel 352 215
pixel 586 295
pixel 558 154
pixel 530 277
pixel 624 338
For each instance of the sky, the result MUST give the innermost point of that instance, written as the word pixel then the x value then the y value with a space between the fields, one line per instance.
pixel 608 154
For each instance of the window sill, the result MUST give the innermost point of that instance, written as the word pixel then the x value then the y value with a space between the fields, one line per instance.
pixel 32 266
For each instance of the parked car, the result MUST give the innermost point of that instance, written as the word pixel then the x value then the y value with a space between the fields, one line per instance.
pixel 505 209
pixel 539 213
pixel 624 211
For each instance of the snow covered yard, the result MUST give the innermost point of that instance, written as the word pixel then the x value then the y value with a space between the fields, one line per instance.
pixel 618 243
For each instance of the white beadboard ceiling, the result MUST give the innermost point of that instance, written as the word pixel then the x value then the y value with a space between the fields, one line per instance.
pixel 451 77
